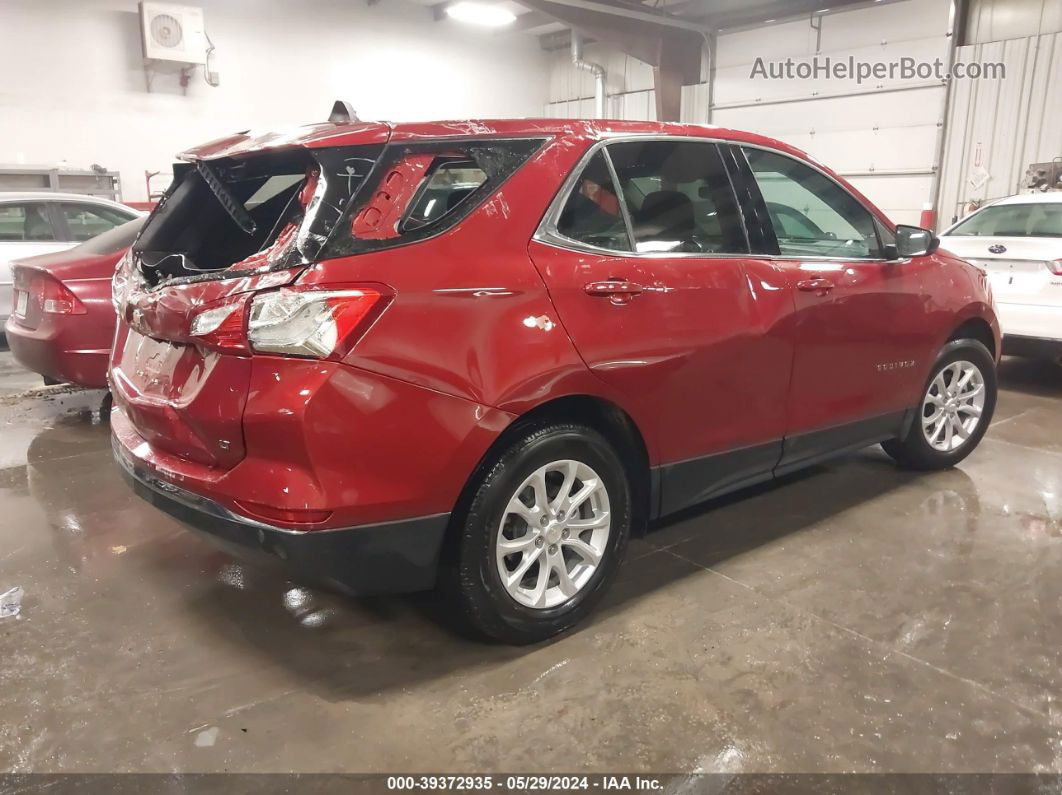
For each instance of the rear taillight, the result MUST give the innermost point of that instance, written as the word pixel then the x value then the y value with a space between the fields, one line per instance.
pixel 317 322
pixel 1055 267
pixel 305 321
pixel 121 282
pixel 221 325
pixel 54 297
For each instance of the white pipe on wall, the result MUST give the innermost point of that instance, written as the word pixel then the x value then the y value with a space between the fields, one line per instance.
pixel 596 69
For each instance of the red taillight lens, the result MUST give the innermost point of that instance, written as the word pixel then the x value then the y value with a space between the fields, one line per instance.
pixel 54 297
pixel 222 325
pixel 317 322
pixel 1055 267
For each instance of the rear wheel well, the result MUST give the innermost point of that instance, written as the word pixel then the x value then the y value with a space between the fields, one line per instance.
pixel 976 329
pixel 605 417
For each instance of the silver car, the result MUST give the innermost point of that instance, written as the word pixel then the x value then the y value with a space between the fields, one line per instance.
pixel 43 222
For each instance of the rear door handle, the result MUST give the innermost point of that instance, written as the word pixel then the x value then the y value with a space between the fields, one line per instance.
pixel 620 291
pixel 820 286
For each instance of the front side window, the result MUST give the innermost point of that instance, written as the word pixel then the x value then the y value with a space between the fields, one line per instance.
pixel 593 214
pixel 1014 220
pixel 85 221
pixel 25 222
pixel 812 216
pixel 679 197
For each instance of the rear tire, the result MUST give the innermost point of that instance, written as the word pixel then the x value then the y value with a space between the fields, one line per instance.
pixel 49 381
pixel 543 535
pixel 961 388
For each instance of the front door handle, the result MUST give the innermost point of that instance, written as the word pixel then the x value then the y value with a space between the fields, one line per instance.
pixel 817 286
pixel 619 291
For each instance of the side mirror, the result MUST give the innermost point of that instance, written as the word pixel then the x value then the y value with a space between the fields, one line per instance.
pixel 913 241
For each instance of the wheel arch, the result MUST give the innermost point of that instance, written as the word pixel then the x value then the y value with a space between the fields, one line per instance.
pixel 601 414
pixel 979 329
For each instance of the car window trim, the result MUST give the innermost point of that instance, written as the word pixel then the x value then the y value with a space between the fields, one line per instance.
pixel 625 211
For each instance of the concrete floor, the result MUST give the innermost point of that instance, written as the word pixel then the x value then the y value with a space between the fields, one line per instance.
pixel 853 618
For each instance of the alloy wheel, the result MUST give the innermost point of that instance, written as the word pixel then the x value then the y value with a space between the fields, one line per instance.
pixel 953 405
pixel 553 534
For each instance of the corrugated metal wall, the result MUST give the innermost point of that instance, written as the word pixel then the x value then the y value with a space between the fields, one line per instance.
pixel 997 128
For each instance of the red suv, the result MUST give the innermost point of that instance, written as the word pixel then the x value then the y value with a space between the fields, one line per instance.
pixel 481 354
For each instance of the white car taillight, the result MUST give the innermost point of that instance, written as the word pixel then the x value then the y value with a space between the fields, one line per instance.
pixel 1055 267
pixel 309 321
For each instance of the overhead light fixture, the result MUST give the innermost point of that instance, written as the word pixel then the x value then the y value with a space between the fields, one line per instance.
pixel 491 16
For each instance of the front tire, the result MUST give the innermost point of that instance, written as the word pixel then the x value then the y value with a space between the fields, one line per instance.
pixel 954 412
pixel 544 534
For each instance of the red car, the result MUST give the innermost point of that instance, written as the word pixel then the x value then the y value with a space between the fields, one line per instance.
pixel 481 354
pixel 63 321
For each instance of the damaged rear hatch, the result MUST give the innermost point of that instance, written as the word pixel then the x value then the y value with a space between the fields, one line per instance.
pixel 243 214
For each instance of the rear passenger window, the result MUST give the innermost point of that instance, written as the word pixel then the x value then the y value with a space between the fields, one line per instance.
pixel 679 197
pixel 25 222
pixel 592 214
pixel 811 214
pixel 85 221
pixel 450 182
pixel 421 189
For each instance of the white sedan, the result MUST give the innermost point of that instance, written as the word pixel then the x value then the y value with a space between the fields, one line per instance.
pixel 43 222
pixel 1018 241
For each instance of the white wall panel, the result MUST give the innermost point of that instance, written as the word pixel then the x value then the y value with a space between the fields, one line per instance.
pixel 735 84
pixel 913 108
pixel 623 73
pixel 995 20
pixel 281 64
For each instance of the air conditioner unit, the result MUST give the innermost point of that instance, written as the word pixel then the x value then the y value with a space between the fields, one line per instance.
pixel 173 33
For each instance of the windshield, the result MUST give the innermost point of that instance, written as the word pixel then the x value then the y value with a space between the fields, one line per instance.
pixel 1013 220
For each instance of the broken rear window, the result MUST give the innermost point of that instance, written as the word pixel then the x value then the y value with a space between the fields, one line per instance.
pixel 419 190
pixel 262 212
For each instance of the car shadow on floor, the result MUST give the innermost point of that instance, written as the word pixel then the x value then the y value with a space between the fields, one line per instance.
pixel 1039 377
pixel 345 648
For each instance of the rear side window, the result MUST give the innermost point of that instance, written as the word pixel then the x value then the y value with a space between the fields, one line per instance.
pixel 419 190
pixel 27 221
pixel 679 197
pixel 85 221
pixel 451 182
pixel 811 214
pixel 593 214
pixel 115 239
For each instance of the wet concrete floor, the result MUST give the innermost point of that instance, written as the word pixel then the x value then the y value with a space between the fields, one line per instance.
pixel 851 618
